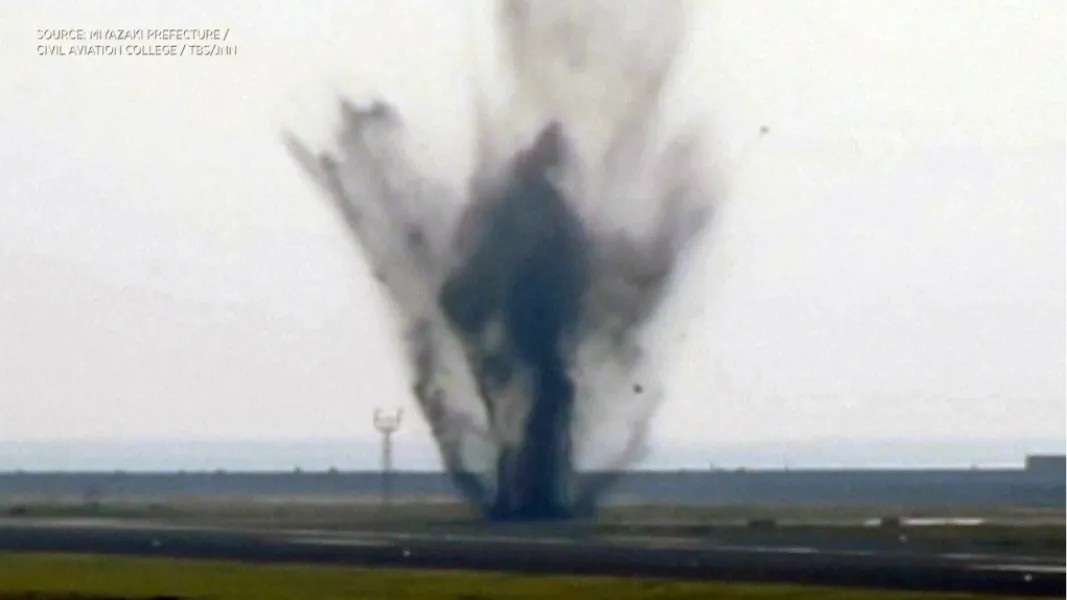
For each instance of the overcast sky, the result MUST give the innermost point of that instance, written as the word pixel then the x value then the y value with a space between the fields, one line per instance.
pixel 891 262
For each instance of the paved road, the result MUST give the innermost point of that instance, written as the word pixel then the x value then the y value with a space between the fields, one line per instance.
pixel 612 555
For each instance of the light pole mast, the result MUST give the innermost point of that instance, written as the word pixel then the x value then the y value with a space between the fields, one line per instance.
pixel 387 426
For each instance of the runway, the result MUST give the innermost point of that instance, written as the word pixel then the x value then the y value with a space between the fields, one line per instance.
pixel 690 558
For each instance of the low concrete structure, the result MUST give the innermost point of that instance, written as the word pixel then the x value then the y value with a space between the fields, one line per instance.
pixel 1050 464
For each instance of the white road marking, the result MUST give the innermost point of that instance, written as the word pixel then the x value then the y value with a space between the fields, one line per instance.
pixel 1022 568
pixel 799 550
pixel 997 557
pixel 354 542
pixel 928 522
pixel 770 549
pixel 652 542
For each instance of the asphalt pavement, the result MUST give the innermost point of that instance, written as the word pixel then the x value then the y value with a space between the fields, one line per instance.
pixel 688 558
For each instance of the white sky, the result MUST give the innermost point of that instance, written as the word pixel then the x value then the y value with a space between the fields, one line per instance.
pixel 891 263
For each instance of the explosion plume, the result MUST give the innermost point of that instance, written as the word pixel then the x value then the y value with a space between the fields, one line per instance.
pixel 525 300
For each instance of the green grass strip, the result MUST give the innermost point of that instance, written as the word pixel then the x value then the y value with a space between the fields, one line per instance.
pixel 70 577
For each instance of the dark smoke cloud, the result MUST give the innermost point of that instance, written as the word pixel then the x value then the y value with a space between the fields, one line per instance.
pixel 532 293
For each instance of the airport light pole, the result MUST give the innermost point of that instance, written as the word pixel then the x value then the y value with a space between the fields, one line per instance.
pixel 387 425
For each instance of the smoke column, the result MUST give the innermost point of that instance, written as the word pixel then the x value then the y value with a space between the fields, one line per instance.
pixel 525 301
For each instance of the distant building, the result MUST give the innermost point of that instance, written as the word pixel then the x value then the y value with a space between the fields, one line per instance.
pixel 1046 463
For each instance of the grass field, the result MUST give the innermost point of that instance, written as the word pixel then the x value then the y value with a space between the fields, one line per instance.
pixel 54 577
